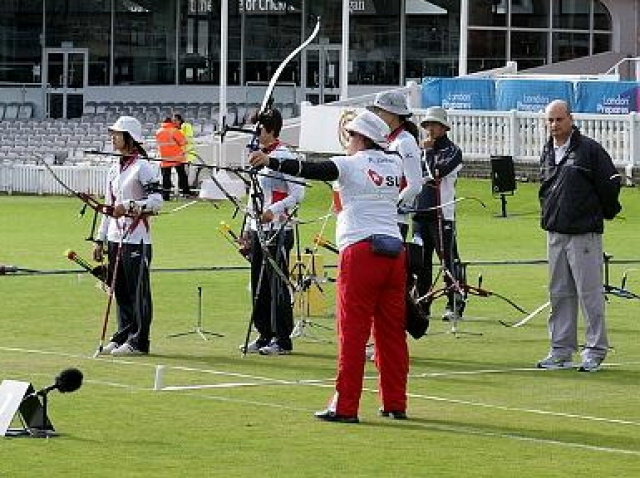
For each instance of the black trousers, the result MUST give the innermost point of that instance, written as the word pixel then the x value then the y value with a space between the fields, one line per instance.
pixel 133 293
pixel 272 313
pixel 447 253
pixel 183 181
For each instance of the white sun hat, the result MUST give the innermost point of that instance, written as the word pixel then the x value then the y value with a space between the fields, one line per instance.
pixel 370 125
pixel 393 102
pixel 435 114
pixel 130 125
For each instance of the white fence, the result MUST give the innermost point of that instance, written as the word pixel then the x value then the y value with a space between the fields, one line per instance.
pixel 480 134
pixel 521 135
pixel 31 178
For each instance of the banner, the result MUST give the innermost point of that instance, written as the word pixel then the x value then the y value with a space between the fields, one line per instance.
pixel 531 95
pixel 607 97
pixel 459 93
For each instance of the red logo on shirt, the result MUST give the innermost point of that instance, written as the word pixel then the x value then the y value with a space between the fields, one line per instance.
pixel 375 177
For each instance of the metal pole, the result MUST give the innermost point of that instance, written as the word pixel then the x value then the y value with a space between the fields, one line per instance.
pixel 43 60
pixel 464 38
pixel 112 50
pixel 177 50
pixel 344 53
pixel 224 51
pixel 403 42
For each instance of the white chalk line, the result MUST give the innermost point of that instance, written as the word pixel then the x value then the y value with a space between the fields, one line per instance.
pixel 328 382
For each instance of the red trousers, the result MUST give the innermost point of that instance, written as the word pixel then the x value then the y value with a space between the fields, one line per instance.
pixel 371 291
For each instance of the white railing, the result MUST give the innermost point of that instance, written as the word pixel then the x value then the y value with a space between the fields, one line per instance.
pixel 35 179
pixel 480 134
pixel 522 135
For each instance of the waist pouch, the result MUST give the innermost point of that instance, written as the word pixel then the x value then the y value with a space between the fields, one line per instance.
pixel 383 245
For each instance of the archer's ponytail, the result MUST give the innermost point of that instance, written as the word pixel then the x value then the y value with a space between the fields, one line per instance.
pixel 412 128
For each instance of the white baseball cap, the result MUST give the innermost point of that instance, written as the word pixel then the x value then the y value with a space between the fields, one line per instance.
pixel 370 125
pixel 435 114
pixel 393 102
pixel 130 125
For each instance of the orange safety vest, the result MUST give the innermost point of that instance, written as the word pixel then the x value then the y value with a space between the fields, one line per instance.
pixel 170 142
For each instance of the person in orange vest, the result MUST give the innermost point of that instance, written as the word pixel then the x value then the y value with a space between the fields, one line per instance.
pixel 171 148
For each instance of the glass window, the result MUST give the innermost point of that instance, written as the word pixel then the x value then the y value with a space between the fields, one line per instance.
pixel 488 13
pixel 76 24
pixel 144 42
pixel 567 46
pixel 530 13
pixel 601 17
pixel 432 42
pixel 571 14
pixel 487 49
pixel 601 43
pixel 268 39
pixel 529 49
pixel 20 52
pixel 199 43
pixel 375 42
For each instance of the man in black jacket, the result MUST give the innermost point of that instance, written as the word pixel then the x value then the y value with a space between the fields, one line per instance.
pixel 579 189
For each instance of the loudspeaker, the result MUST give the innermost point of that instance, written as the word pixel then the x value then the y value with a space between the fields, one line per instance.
pixel 19 398
pixel 503 175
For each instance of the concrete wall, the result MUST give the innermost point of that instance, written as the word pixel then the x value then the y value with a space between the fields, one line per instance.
pixel 624 19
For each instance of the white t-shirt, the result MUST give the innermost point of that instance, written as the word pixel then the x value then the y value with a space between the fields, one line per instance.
pixel 127 183
pixel 405 144
pixel 368 186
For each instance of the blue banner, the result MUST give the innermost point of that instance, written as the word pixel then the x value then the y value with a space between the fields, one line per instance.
pixel 459 93
pixel 531 95
pixel 607 97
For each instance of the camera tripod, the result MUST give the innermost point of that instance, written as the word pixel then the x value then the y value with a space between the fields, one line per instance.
pixel 197 328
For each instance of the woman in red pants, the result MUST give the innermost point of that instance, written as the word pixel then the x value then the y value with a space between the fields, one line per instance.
pixel 371 277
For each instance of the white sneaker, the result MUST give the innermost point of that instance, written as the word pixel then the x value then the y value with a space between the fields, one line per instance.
pixel 126 350
pixel 110 347
pixel 552 362
pixel 590 364
pixel 273 349
pixel 253 347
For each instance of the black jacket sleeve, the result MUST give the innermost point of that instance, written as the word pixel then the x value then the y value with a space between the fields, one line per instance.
pixel 322 171
pixel 607 183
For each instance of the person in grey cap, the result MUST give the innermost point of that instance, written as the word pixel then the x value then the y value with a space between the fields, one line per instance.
pixel 391 107
pixel 434 221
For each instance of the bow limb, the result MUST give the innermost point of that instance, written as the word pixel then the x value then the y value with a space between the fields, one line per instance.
pixel 403 210
pixel 267 100
pixel 88 199
pixel 267 96
pixel 487 293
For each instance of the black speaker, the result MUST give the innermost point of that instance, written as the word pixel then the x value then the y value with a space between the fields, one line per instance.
pixel 503 175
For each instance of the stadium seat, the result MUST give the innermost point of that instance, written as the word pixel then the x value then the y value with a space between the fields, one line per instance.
pixel 89 108
pixel 11 111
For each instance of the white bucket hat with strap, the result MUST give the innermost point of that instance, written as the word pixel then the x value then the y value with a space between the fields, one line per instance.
pixel 370 125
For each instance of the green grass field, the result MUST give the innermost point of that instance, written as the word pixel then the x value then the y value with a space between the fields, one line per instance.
pixel 477 407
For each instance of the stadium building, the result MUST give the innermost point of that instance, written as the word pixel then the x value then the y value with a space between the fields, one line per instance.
pixel 63 58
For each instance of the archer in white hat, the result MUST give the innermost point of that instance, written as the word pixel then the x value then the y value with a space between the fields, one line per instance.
pixel 132 194
pixel 392 108
pixel 372 280
pixel 435 219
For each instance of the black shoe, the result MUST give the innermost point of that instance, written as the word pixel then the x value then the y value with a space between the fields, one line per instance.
pixel 396 415
pixel 330 416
